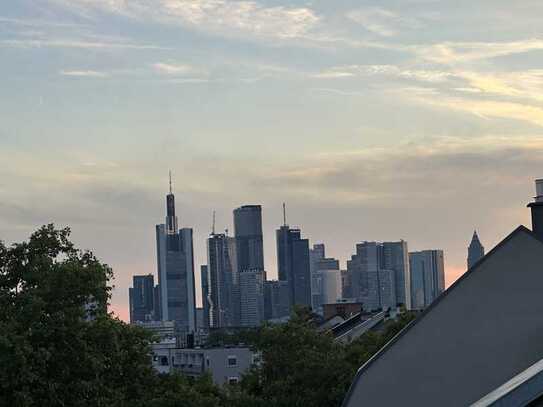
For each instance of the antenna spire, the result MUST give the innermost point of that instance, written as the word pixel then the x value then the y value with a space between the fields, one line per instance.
pixel 213 226
pixel 170 181
pixel 284 215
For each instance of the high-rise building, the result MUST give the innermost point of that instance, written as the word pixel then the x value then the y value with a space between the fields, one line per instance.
pixel 251 287
pixel 476 251
pixel 176 270
pixel 293 264
pixel 142 298
pixel 322 278
pixel 249 276
pixel 379 275
pixel 427 277
pixel 221 269
pixel 205 295
pixel 276 299
pixel 248 234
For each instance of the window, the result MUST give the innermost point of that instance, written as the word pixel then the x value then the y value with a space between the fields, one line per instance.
pixel 233 380
pixel 232 361
pixel 164 361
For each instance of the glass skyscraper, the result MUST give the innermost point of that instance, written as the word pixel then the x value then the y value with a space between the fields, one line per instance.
pixel 175 261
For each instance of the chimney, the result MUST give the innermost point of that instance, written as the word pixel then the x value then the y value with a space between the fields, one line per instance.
pixel 537 209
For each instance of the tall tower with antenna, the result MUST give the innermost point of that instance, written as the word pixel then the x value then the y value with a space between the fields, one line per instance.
pixel 176 269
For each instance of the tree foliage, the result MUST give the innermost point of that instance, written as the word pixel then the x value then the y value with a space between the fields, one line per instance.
pixel 60 347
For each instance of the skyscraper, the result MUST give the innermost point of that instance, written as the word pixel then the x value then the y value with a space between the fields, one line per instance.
pixel 142 298
pixel 220 269
pixel 322 277
pixel 379 275
pixel 427 277
pixel 248 280
pixel 251 288
pixel 176 270
pixel 293 264
pixel 205 295
pixel 248 234
pixel 476 251
pixel 276 299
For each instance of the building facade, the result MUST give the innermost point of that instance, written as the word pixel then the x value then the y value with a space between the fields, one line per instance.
pixel 293 264
pixel 175 261
pixel 427 277
pixel 476 250
pixel 379 275
pixel 276 300
pixel 142 298
pixel 251 286
pixel 220 274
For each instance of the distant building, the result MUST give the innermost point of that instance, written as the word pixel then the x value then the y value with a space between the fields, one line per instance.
pixel 251 285
pixel 248 280
pixel 205 296
pixel 343 309
pixel 142 298
pixel 478 344
pixel 176 270
pixel 379 275
pixel 427 277
pixel 163 329
pixel 221 269
pixel 319 262
pixel 276 300
pixel 476 251
pixel 293 264
pixel 329 282
pixel 226 365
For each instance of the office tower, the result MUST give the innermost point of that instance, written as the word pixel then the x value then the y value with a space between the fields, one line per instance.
pixel 249 276
pixel 248 234
pixel 379 275
pixel 205 295
pixel 251 286
pixel 329 286
pixel 395 256
pixel 321 291
pixel 293 264
pixel 141 297
pixel 176 270
pixel 427 277
pixel 220 269
pixel 476 251
pixel 346 285
pixel 276 299
pixel 157 315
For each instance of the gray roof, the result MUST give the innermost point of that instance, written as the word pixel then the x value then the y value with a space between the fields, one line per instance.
pixel 486 328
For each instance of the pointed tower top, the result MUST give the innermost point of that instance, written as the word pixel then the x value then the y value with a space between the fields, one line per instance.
pixel 213 225
pixel 170 181
pixel 284 215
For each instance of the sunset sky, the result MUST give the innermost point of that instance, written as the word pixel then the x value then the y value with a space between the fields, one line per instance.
pixel 419 120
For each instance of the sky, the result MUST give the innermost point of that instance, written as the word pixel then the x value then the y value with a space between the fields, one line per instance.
pixel 419 120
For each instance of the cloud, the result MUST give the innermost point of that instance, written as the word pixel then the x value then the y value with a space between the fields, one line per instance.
pixel 85 74
pixel 173 69
pixel 461 52
pixel 382 22
pixel 237 18
pixel 432 76
pixel 74 43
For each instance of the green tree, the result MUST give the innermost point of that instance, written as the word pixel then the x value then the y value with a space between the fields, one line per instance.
pixel 58 345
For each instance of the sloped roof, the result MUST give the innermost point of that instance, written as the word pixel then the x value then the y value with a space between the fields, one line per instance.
pixel 417 365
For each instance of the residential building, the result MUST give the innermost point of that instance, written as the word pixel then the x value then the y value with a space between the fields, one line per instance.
pixel 226 364
pixel 478 344
pixel 427 277
pixel 142 298
pixel 293 264
pixel 476 251
pixel 176 270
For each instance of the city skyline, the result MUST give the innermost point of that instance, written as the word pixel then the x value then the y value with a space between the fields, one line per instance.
pixel 414 120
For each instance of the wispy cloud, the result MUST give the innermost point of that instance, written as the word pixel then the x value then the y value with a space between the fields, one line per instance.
pixel 382 22
pixel 84 74
pixel 173 69
pixel 214 16
pixel 75 43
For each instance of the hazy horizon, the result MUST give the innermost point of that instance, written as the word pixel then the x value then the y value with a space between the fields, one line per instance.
pixel 419 120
